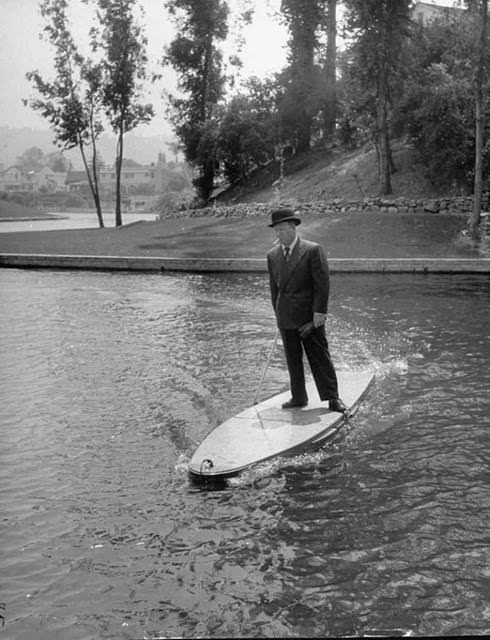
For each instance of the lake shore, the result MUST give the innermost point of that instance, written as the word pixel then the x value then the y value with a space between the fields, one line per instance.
pixel 350 235
pixel 213 242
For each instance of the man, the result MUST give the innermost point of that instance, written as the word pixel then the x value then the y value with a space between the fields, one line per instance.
pixel 299 283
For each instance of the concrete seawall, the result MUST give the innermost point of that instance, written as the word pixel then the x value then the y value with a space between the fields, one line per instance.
pixel 347 265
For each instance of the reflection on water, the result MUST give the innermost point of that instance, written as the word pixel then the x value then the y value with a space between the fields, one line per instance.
pixel 109 382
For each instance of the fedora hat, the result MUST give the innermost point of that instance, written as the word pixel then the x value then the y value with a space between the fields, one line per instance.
pixel 283 215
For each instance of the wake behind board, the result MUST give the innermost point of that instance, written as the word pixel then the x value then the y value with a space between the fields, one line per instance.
pixel 265 430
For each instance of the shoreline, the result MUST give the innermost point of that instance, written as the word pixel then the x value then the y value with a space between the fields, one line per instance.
pixel 219 265
pixel 354 241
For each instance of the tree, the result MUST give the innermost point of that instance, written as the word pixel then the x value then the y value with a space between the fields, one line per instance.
pixel 479 82
pixel 57 162
pixel 438 106
pixel 380 28
pixel 195 56
pixel 330 100
pixel 247 137
pixel 175 149
pixel 71 102
pixel 32 159
pixel 302 95
pixel 120 41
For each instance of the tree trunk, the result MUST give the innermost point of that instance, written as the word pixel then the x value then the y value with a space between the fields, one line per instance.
pixel 93 186
pixel 479 126
pixel 96 179
pixel 119 159
pixel 330 108
pixel 303 133
pixel 383 138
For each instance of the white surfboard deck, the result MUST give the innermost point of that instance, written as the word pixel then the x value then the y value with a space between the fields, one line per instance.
pixel 265 430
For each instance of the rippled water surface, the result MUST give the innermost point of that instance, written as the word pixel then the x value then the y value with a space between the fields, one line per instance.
pixel 108 383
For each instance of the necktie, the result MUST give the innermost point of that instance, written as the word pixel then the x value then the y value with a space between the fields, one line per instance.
pixel 287 251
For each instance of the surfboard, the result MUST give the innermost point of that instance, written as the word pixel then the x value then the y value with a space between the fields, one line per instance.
pixel 265 430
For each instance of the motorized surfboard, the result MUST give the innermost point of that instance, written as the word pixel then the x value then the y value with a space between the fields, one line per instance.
pixel 265 430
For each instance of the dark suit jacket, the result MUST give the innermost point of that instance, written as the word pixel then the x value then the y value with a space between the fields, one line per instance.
pixel 300 286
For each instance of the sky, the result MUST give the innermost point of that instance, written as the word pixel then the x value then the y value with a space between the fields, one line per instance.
pixel 21 51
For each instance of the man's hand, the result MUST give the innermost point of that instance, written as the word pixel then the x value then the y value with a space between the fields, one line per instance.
pixel 319 319
pixel 305 329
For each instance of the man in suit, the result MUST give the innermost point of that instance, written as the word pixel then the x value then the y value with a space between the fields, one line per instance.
pixel 299 283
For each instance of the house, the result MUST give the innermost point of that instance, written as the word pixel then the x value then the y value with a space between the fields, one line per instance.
pixel 58 180
pixel 423 12
pixel 45 180
pixel 139 183
pixel 14 179
pixel 76 182
pixel 11 179
pixel 133 178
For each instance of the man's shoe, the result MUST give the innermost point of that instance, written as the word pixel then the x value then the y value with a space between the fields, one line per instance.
pixel 293 404
pixel 339 406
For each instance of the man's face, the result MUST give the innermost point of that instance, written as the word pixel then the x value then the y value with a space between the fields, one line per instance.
pixel 285 232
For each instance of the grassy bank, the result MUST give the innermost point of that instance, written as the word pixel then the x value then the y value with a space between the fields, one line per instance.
pixel 352 235
pixel 13 211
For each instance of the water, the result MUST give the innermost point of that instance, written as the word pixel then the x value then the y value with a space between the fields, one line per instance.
pixel 109 382
pixel 71 221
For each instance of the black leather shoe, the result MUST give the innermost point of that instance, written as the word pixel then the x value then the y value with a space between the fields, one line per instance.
pixel 339 406
pixel 293 404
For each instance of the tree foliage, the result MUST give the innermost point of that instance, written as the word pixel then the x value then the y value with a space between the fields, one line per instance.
pixel 32 159
pixel 120 40
pixel 87 92
pixel 438 105
pixel 380 29
pixel 198 61
pixel 249 130
pixel 71 102
pixel 302 85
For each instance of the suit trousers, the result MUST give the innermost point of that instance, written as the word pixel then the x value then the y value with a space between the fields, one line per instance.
pixel 315 346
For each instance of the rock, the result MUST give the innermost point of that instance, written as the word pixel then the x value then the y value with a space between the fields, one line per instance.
pixel 431 207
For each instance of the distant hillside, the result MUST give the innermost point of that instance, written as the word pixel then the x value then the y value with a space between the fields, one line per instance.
pixel 323 175
pixel 143 149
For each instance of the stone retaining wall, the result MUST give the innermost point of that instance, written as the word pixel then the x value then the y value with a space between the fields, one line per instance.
pixel 459 205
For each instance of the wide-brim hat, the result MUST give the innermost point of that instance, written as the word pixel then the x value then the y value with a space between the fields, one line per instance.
pixel 283 215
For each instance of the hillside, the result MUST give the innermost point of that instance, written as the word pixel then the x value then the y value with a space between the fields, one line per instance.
pixel 326 175
pixel 144 149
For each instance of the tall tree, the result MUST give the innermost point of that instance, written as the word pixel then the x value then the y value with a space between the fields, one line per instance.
pixel 330 100
pixel 70 102
pixel 302 96
pixel 479 81
pixel 120 40
pixel 380 28
pixel 195 56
